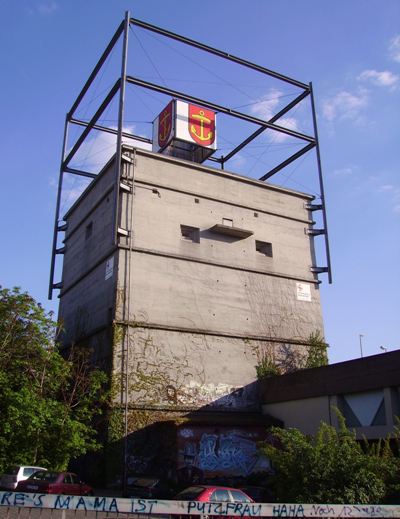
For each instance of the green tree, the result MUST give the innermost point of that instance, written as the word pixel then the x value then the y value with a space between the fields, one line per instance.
pixel 317 354
pixel 47 403
pixel 330 468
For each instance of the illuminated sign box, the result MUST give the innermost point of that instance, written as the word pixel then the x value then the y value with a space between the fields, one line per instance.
pixel 186 131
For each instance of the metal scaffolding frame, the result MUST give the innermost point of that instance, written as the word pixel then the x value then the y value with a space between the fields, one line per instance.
pixel 311 141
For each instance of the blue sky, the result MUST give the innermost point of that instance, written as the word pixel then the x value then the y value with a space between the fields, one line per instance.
pixel 349 49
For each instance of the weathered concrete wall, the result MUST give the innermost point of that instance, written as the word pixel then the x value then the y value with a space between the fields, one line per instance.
pixel 87 299
pixel 89 232
pixel 173 292
pixel 220 286
pixel 170 193
pixel 216 290
pixel 175 370
pixel 88 305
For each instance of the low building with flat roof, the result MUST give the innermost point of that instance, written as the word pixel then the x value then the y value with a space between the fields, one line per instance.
pixel 366 391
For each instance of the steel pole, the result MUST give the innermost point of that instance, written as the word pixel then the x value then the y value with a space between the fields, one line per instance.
pixel 361 349
pixel 118 165
pixel 321 186
pixel 121 109
pixel 57 213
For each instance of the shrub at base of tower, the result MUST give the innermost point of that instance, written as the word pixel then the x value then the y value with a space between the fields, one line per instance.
pixel 48 403
pixel 332 467
pixel 283 358
pixel 317 354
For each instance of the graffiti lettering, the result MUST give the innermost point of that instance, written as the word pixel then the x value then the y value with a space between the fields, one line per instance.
pixel 288 511
pixel 5 500
pixel 371 511
pixel 347 511
pixel 113 506
pixel 62 502
pixel 240 509
pixel 321 510
pixel 208 459
pixel 218 395
pixel 365 511
pixel 37 500
pixel 194 508
pixel 100 504
pixel 19 499
pixel 227 452
pixel 143 506
pixel 81 503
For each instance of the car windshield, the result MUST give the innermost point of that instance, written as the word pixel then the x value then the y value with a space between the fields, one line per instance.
pixel 190 494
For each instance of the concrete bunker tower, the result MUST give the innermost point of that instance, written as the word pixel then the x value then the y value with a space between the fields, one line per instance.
pixel 181 277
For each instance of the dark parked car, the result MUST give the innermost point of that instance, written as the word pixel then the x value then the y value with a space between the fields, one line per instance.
pixel 48 482
pixel 148 488
pixel 212 493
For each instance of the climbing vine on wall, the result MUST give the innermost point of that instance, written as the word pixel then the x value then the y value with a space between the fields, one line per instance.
pixel 155 376
pixel 276 359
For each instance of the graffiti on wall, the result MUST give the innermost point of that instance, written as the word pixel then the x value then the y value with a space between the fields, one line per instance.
pixel 220 451
pixel 229 451
pixel 20 500
pixel 219 395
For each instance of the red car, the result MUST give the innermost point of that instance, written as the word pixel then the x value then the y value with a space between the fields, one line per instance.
pixel 217 501
pixel 209 493
pixel 214 501
pixel 47 482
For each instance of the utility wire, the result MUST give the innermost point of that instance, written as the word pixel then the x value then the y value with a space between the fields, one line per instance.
pixel 162 42
pixel 148 56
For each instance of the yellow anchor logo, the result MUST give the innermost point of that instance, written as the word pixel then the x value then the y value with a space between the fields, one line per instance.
pixel 202 121
pixel 165 126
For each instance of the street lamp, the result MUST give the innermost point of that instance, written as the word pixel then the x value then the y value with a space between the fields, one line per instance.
pixel 361 350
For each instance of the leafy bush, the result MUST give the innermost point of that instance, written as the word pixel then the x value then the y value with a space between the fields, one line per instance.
pixel 47 403
pixel 330 468
pixel 267 368
pixel 316 351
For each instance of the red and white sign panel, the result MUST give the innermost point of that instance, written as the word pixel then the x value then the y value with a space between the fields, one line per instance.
pixel 163 127
pixel 185 122
pixel 201 125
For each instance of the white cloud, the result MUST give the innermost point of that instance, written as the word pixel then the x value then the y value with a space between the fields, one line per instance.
pixel 92 155
pixel 97 150
pixel 394 48
pixel 393 193
pixel 73 187
pixel 343 172
pixel 266 107
pixel 384 78
pixel 47 7
pixel 345 105
pixel 238 160
pixel 386 187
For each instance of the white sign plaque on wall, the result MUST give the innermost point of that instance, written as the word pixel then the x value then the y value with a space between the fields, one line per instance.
pixel 303 291
pixel 109 268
